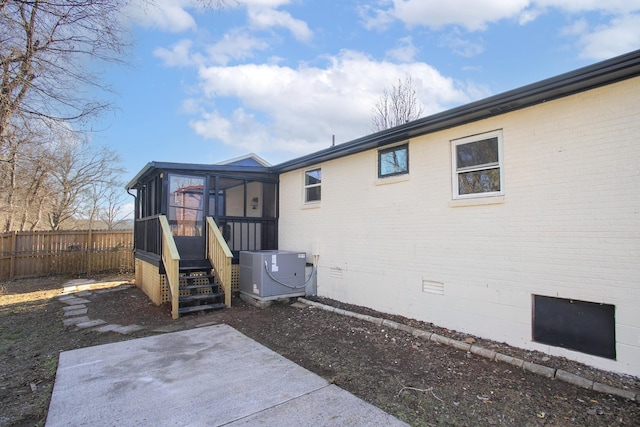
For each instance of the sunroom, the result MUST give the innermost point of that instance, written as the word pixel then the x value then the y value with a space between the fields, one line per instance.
pixel 192 221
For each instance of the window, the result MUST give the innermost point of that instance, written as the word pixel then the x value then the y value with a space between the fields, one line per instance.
pixel 312 183
pixel 393 161
pixel 477 166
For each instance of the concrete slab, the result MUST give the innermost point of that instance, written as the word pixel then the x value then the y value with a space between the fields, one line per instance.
pixel 73 307
pixel 75 320
pixel 328 407
pixel 109 327
pixel 83 293
pixel 76 312
pixel 205 376
pixel 74 301
pixel 90 323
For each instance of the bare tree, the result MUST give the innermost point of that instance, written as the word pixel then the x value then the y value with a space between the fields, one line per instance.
pixel 79 169
pixel 396 106
pixel 111 211
pixel 44 55
pixel 22 178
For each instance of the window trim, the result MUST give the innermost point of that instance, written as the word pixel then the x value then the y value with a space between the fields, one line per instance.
pixel 382 151
pixel 455 171
pixel 305 187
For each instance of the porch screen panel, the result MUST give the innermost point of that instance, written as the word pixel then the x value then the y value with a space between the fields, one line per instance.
pixel 186 205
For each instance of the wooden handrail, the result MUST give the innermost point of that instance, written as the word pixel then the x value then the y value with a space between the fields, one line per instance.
pixel 220 257
pixel 171 261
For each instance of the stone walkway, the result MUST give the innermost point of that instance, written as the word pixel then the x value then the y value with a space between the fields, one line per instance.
pixel 76 312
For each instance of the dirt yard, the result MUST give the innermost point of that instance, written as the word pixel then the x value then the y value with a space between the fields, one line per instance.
pixel 420 382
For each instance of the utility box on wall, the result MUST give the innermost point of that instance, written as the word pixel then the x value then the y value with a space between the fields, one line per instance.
pixel 269 275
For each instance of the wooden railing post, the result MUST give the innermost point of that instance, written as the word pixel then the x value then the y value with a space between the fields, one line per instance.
pixel 171 261
pixel 220 256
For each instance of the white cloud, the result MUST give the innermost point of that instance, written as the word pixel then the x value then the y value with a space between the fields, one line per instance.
pixel 266 18
pixel 575 6
pixel 577 28
pixel 473 15
pixel 621 35
pixel 476 15
pixel 235 45
pixel 166 15
pixel 460 45
pixel 404 52
pixel 298 109
pixel 179 55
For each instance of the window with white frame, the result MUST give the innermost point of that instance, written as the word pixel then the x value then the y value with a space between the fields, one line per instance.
pixel 477 166
pixel 312 185
pixel 393 161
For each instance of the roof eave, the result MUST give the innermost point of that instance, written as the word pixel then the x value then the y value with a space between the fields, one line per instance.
pixel 193 167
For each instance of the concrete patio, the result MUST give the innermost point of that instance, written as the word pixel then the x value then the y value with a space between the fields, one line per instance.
pixel 210 376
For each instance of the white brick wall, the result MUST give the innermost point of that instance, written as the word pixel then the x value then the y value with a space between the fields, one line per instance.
pixel 568 225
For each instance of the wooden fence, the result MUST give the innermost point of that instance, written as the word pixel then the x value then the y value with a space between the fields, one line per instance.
pixel 42 253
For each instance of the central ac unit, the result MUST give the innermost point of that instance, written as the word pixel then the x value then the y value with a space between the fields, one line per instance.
pixel 269 275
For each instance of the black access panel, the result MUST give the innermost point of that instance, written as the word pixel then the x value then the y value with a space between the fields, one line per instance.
pixel 583 326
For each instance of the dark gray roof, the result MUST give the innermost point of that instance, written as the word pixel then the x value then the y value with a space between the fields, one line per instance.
pixel 603 73
pixel 152 168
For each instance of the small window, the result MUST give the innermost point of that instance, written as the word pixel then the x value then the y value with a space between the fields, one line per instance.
pixel 477 166
pixel 583 326
pixel 312 185
pixel 393 161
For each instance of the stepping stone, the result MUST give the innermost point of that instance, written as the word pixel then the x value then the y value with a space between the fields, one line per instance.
pixel 90 323
pixel 78 312
pixel 73 307
pixel 111 327
pixel 75 320
pixel 76 301
pixel 83 293
pixel 77 282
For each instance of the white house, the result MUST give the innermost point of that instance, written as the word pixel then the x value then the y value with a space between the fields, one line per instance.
pixel 515 218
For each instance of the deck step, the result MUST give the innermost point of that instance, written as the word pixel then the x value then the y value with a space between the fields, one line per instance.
pixel 199 276
pixel 201 286
pixel 190 270
pixel 196 275
pixel 203 307
pixel 198 297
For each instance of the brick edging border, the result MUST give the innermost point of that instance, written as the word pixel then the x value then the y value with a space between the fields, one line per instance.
pixel 535 368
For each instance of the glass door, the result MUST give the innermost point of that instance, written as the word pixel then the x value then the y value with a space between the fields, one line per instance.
pixel 186 209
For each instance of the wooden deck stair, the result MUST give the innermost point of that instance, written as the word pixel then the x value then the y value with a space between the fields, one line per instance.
pixel 198 288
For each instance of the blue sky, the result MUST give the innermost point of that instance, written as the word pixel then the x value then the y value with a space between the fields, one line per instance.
pixel 280 77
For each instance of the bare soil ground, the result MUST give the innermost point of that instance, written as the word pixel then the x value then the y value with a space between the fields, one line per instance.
pixel 420 382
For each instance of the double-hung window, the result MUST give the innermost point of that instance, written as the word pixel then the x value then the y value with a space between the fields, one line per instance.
pixel 477 166
pixel 312 185
pixel 393 161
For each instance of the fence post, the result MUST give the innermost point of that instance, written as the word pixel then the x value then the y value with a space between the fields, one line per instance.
pixel 12 261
